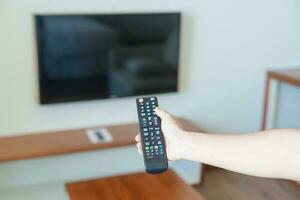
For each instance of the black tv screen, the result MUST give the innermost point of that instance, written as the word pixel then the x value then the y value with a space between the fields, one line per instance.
pixel 83 57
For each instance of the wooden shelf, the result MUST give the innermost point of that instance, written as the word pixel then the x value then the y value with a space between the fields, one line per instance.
pixel 166 186
pixel 70 141
pixel 290 76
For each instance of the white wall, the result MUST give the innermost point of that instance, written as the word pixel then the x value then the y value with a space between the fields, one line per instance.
pixel 226 48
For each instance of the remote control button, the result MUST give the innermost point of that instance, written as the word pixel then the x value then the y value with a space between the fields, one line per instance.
pixel 141 100
pixel 155 120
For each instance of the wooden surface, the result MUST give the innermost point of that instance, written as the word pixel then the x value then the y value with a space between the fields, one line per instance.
pixel 220 184
pixel 291 76
pixel 140 186
pixel 69 141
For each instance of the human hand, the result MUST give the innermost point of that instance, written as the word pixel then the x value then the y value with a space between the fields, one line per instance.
pixel 173 134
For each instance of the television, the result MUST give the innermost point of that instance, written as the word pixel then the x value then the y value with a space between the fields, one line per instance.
pixel 98 56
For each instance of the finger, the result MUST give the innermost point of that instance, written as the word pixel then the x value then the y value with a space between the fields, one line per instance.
pixel 162 113
pixel 138 138
pixel 139 147
pixel 140 152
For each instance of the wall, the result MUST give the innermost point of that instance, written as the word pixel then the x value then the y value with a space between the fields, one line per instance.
pixel 226 48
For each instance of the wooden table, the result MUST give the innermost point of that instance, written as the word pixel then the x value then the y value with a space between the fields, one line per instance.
pixel 139 186
pixel 289 76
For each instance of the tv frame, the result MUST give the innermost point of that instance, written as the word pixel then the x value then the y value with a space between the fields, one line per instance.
pixel 39 44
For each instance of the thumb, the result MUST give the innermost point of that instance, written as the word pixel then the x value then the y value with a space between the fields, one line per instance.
pixel 163 115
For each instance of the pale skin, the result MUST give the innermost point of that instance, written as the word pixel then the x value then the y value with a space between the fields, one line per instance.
pixel 271 154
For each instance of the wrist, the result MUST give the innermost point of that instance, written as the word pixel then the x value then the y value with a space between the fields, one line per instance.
pixel 183 144
pixel 189 145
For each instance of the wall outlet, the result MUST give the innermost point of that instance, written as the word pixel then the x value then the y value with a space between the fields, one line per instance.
pixel 99 135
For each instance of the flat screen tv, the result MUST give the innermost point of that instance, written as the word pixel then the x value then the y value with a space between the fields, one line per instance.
pixel 83 57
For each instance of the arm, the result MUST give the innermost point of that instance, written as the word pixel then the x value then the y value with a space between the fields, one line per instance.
pixel 273 154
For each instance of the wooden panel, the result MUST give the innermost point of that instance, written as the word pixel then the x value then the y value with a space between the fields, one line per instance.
pixel 266 102
pixel 54 143
pixel 291 76
pixel 166 186
pixel 69 141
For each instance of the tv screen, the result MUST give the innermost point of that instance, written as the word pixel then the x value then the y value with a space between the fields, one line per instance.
pixel 83 57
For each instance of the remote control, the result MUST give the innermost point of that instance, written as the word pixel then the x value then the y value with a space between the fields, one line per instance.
pixel 153 143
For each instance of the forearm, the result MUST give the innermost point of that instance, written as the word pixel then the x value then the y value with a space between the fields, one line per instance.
pixel 273 154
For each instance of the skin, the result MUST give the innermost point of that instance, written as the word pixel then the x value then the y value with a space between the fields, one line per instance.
pixel 272 154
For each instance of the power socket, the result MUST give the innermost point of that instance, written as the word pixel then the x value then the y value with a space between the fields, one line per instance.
pixel 99 135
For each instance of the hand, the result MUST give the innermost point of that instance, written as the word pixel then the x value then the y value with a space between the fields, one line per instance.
pixel 173 134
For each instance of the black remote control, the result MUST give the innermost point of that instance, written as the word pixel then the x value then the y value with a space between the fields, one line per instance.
pixel 153 143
